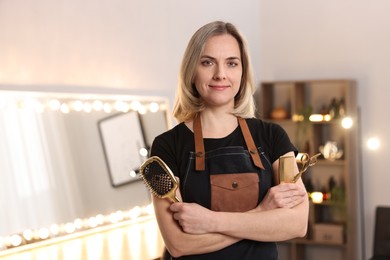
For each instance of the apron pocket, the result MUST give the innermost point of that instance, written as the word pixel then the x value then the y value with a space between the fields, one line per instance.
pixel 234 192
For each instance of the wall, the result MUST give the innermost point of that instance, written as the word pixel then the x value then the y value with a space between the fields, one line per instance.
pixel 106 43
pixel 138 45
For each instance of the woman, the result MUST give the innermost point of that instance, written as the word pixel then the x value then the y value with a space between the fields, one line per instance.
pixel 233 208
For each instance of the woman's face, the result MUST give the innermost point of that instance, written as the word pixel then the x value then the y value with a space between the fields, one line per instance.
pixel 218 74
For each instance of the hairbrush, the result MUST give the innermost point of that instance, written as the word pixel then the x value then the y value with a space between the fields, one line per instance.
pixel 159 178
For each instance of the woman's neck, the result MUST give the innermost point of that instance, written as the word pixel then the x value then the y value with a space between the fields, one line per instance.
pixel 216 125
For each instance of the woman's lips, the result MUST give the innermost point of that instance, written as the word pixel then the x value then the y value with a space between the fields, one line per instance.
pixel 218 87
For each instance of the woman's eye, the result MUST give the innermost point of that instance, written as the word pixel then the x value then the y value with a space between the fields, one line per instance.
pixel 207 62
pixel 232 64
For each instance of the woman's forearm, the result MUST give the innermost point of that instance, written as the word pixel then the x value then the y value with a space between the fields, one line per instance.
pixel 180 243
pixel 272 225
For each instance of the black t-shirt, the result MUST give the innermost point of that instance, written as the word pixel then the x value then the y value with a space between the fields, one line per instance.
pixel 175 146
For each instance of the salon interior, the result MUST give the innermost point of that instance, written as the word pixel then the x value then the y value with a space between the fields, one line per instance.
pixel 85 86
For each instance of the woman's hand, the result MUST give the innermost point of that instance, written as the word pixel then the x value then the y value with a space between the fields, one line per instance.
pixel 192 217
pixel 284 195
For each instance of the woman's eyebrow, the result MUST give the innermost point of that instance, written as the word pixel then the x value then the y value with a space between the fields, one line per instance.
pixel 207 57
pixel 212 58
pixel 233 58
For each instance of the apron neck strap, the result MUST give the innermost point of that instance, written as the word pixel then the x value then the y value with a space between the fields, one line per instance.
pixel 199 145
pixel 250 144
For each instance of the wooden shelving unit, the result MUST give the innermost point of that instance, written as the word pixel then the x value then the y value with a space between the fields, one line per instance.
pixel 299 100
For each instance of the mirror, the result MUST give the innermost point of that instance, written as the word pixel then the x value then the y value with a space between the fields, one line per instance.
pixel 55 166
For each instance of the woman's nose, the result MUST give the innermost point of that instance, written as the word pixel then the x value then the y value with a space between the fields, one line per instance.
pixel 219 73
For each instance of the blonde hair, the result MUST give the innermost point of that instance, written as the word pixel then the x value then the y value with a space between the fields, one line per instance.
pixel 188 103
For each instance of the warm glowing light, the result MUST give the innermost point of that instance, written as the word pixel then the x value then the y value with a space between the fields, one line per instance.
pixel 298 118
pixel 373 143
pixel 78 223
pixel 100 219
pixel 87 107
pixel 154 107
pixel 120 215
pixel 97 105
pixel 327 117
pixel 114 217
pixel 133 174
pixel 65 108
pixel 143 152
pixel 135 105
pixel 134 213
pixel 28 234
pixel 28 103
pixel 319 118
pixel 43 233
pixel 107 107
pixel 149 209
pixel 67 105
pixel 70 228
pixel 77 105
pixel 92 222
pixel 54 104
pixel 54 229
pixel 121 106
pixel 142 110
pixel 118 105
pixel 316 117
pixel 347 122
pixel 316 197
pixel 15 240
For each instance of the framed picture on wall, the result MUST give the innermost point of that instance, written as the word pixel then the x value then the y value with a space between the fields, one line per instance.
pixel 153 124
pixel 122 139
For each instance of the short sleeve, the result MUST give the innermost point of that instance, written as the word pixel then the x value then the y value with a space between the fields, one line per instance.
pixel 163 147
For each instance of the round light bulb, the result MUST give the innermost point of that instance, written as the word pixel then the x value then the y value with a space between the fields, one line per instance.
pixel 28 234
pixel 78 105
pixel 54 104
pixel 317 197
pixel 143 152
pixel 16 240
pixel 97 105
pixel 347 122
pixel 154 107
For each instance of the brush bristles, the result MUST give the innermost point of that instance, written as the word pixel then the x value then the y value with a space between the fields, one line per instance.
pixel 151 188
pixel 157 177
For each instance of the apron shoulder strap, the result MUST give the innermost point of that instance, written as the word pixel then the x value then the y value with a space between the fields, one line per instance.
pixel 199 145
pixel 250 143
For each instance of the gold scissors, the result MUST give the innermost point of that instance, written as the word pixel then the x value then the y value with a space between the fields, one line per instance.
pixel 306 162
